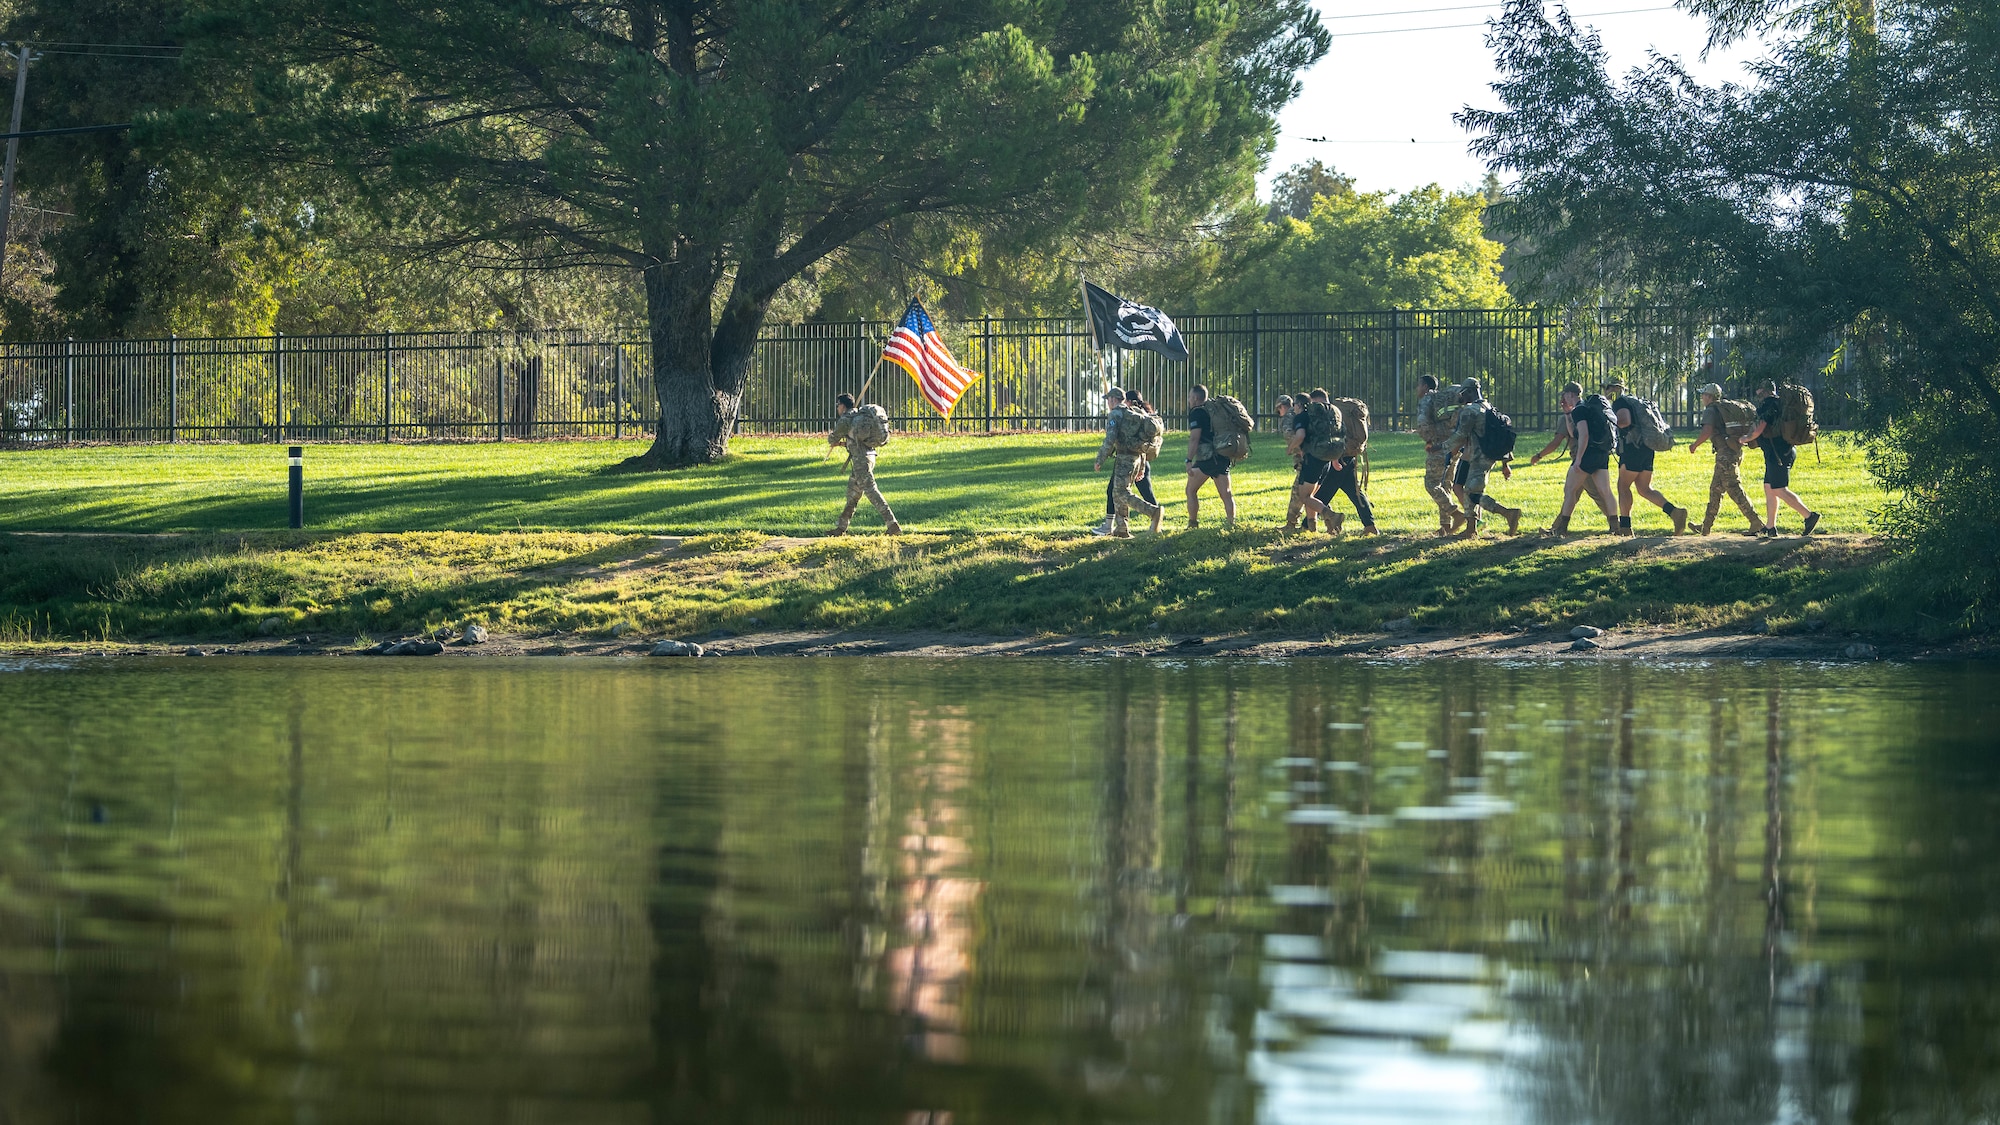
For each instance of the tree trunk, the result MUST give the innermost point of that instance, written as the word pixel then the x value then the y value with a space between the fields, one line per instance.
pixel 696 414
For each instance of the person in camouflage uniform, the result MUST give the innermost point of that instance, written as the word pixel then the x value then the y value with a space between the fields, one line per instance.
pixel 1127 469
pixel 1728 478
pixel 860 470
pixel 1474 466
pixel 1437 462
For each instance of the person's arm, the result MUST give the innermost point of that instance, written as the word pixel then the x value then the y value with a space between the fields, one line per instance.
pixel 1707 433
pixel 1556 442
pixel 1624 418
pixel 1194 443
pixel 1756 432
pixel 1104 451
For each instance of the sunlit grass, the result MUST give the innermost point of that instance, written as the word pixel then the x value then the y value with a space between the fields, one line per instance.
pixel 771 485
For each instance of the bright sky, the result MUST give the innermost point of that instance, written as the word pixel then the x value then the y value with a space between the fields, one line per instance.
pixel 1380 86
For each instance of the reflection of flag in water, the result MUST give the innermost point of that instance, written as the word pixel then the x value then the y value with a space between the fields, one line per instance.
pixel 916 348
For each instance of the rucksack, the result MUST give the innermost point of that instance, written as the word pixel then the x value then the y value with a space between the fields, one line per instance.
pixel 1738 418
pixel 1497 437
pixel 1354 423
pixel 1229 426
pixel 1435 415
pixel 1599 418
pixel 1796 424
pixel 1324 433
pixel 1651 428
pixel 1133 431
pixel 868 426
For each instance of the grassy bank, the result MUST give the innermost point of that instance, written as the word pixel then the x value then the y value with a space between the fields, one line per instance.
pixel 206 586
pixel 1032 483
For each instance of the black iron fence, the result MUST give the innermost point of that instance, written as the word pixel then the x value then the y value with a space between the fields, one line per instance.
pixel 1040 375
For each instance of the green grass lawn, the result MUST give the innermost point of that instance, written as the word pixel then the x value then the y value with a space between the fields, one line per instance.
pixel 1022 483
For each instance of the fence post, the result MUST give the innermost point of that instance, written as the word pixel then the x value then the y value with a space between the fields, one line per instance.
pixel 1257 360
pixel 1396 359
pixel 278 375
pixel 69 389
pixel 1541 360
pixel 388 384
pixel 987 339
pixel 173 388
pixel 499 399
pixel 618 396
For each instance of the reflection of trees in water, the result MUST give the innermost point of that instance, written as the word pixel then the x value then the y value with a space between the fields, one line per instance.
pixel 1676 999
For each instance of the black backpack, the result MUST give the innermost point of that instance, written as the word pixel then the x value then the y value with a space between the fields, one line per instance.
pixel 1497 437
pixel 1602 422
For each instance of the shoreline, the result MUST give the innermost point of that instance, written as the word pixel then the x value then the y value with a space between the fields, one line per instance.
pixel 1636 643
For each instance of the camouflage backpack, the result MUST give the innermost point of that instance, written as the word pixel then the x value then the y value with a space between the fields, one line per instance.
pixel 1229 427
pixel 1354 422
pixel 868 426
pixel 1650 426
pixel 1738 418
pixel 1797 424
pixel 1325 438
pixel 1134 432
pixel 1437 413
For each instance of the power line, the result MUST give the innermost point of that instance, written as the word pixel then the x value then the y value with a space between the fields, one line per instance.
pixel 1409 12
pixel 1482 23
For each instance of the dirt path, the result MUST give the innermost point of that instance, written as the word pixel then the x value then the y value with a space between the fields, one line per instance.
pixel 1643 643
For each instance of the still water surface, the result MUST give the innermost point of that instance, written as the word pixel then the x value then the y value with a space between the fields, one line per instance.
pixel 910 891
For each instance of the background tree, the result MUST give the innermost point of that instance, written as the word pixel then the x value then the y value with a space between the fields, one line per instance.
pixel 1849 192
pixel 720 148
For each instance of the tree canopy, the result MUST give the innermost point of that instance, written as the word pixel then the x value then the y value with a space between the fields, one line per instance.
pixel 720 148
pixel 1849 194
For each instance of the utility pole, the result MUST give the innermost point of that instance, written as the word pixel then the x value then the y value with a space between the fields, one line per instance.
pixel 13 149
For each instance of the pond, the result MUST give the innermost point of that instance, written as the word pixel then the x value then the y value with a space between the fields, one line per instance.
pixel 908 891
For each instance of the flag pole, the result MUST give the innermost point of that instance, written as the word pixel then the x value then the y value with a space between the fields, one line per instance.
pixel 862 395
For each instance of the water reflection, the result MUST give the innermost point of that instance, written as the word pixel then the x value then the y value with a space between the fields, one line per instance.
pixel 899 891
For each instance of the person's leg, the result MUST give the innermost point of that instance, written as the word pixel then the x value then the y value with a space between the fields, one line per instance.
pixel 1718 487
pixel 1195 478
pixel 865 463
pixel 1144 486
pixel 1110 490
pixel 1437 467
pixel 855 491
pixel 1770 507
pixel 1573 484
pixel 1733 488
pixel 1350 483
pixel 1792 501
pixel 1601 489
pixel 1625 479
pixel 1228 496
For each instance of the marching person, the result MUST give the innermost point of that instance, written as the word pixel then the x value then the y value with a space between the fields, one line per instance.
pixel 1778 459
pixel 1474 465
pixel 1635 461
pixel 1592 434
pixel 1288 418
pixel 1200 469
pixel 1434 426
pixel 860 469
pixel 1343 474
pixel 1728 477
pixel 1114 399
pixel 1311 468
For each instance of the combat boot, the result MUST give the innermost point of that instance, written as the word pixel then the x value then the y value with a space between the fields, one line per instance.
pixel 895 528
pixel 1119 530
pixel 1309 523
pixel 1158 514
pixel 1705 526
pixel 1680 518
pixel 1513 518
pixel 1559 527
pixel 1334 520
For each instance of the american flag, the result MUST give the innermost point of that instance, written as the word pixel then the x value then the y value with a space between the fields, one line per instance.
pixel 915 347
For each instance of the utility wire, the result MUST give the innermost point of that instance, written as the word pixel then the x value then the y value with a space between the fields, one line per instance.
pixel 1482 23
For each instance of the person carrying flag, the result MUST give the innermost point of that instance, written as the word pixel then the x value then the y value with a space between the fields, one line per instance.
pixel 860 435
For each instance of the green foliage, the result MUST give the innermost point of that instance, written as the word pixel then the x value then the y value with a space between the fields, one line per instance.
pixel 1366 250
pixel 721 149
pixel 1845 194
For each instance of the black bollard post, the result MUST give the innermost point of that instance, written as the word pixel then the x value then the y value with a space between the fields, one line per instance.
pixel 298 455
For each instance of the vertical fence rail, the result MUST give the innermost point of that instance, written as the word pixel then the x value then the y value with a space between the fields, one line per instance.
pixel 1040 374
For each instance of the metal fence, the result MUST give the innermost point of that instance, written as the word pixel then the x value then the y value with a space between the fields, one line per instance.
pixel 1040 375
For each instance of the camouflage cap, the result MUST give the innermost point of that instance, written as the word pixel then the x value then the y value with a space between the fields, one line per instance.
pixel 1470 388
pixel 1115 392
pixel 1284 400
pixel 1710 389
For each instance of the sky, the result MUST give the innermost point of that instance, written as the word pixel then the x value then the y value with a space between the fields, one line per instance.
pixel 1381 86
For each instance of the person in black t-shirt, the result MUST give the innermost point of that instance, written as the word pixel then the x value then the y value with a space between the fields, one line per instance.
pixel 1635 462
pixel 1778 458
pixel 1202 469
pixel 1592 440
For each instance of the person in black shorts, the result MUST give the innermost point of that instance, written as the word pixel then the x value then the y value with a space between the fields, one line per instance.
pixel 1311 470
pixel 1593 439
pixel 1778 458
pixel 1635 462
pixel 1204 467
pixel 1343 474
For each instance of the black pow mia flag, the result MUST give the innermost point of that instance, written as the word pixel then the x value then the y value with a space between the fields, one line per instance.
pixel 1118 323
